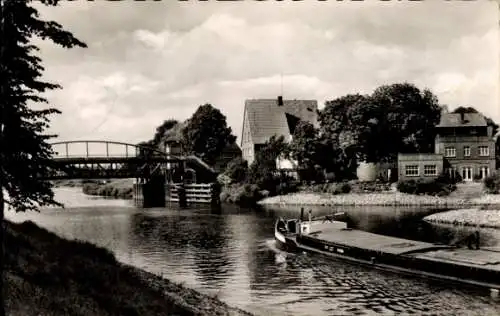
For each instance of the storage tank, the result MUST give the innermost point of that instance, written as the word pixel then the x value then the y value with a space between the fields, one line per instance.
pixel 366 171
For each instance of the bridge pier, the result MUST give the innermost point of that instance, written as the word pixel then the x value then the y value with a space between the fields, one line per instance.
pixel 150 192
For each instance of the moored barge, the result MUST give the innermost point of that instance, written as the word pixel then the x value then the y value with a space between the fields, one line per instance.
pixel 476 267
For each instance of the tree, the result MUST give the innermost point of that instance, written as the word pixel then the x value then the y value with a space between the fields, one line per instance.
pixel 407 120
pixel 206 133
pixel 237 170
pixel 262 170
pixel 399 114
pixel 25 153
pixel 309 150
pixel 162 129
pixel 334 118
pixel 341 124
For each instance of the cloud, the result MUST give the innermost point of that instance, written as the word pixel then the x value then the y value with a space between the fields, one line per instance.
pixel 139 71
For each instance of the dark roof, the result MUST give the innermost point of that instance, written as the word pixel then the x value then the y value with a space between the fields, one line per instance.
pixel 266 118
pixel 232 147
pixel 454 120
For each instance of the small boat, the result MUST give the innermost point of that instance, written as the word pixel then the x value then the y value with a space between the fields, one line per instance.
pixel 332 236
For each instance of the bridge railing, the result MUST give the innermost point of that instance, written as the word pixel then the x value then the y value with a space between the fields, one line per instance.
pixel 107 149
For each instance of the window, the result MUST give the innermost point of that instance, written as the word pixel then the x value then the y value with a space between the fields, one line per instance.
pixel 450 152
pixel 411 171
pixel 430 170
pixel 484 151
pixel 466 151
pixel 484 172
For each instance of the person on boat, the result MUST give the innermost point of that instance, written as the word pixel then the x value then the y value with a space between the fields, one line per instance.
pixel 473 240
pixel 281 225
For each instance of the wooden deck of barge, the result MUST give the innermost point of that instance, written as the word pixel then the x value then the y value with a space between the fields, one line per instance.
pixel 334 233
pixel 482 258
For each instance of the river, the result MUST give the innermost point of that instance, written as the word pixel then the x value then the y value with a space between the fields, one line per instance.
pixel 230 253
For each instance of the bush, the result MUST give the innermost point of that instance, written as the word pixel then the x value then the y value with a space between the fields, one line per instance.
pixel 224 179
pixel 345 188
pixel 445 178
pixel 432 187
pixel 109 190
pixel 330 188
pixel 478 177
pixel 492 183
pixel 237 170
pixel 363 187
pixel 409 186
pixel 241 194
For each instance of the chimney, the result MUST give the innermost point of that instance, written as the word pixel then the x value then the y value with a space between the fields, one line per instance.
pixel 280 100
pixel 462 117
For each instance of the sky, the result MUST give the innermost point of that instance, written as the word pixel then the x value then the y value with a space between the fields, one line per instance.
pixel 151 61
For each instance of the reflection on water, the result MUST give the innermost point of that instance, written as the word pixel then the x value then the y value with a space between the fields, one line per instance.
pixel 231 253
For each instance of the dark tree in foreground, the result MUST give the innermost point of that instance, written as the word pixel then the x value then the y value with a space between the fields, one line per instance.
pixel 25 153
pixel 206 133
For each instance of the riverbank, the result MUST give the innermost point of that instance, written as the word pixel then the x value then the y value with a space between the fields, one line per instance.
pixel 467 217
pixel 47 275
pixel 67 183
pixel 377 199
pixel 121 189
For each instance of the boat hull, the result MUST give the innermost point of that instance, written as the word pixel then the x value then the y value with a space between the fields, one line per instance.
pixel 285 242
pixel 414 262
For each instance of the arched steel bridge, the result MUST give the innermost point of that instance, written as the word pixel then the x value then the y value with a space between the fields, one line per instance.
pixel 98 159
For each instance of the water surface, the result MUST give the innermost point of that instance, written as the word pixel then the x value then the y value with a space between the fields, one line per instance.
pixel 230 253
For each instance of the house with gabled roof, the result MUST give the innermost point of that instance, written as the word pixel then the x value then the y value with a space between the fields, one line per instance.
pixel 264 118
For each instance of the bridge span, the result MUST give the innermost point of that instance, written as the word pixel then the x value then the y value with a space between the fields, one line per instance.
pixel 95 159
pixel 99 159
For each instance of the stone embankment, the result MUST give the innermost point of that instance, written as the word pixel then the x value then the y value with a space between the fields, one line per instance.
pixel 467 217
pixel 377 199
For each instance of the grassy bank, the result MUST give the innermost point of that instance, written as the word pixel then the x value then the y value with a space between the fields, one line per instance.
pixel 377 199
pixel 470 217
pixel 68 183
pixel 122 189
pixel 48 275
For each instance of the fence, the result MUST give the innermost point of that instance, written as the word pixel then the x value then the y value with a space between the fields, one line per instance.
pixel 193 193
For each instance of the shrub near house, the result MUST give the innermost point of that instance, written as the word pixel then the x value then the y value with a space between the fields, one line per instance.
pixel 441 186
pixel 492 183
